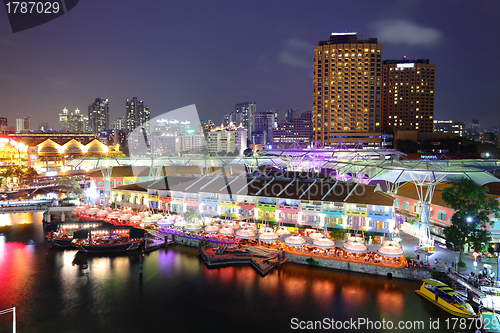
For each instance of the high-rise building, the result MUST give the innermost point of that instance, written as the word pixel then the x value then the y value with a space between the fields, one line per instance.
pixel 99 115
pixel 473 130
pixel 346 88
pixel 73 121
pixel 137 114
pixel 298 129
pixel 3 121
pixel 227 140
pixel 408 95
pixel 23 124
pixel 120 123
pixel 290 113
pixel 246 111
pixel 263 124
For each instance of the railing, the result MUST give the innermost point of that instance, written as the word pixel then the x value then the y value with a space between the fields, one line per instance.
pixel 13 310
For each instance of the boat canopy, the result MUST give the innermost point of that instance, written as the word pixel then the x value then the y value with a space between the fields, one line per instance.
pixel 133 232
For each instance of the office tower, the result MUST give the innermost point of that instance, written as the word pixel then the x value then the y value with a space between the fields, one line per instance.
pixel 99 116
pixel 3 121
pixel 408 95
pixel 246 112
pixel 290 113
pixel 298 129
pixel 23 124
pixel 72 121
pixel 263 124
pixel 346 88
pixel 137 114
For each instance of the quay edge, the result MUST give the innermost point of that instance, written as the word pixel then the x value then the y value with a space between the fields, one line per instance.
pixel 401 273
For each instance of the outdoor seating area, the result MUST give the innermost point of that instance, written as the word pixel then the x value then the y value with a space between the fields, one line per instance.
pixel 368 258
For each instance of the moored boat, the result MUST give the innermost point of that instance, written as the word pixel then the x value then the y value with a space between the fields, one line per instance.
pixel 61 234
pixel 108 239
pixel 441 295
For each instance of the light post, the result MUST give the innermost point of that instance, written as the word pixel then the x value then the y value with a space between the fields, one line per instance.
pixel 475 254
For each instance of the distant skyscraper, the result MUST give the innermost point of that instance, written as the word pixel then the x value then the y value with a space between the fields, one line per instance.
pixel 263 124
pixel 44 126
pixel 297 129
pixel 290 113
pixel 3 121
pixel 408 95
pixel 73 121
pixel 137 114
pixel 346 88
pixel 246 112
pixel 450 126
pixel 99 116
pixel 23 124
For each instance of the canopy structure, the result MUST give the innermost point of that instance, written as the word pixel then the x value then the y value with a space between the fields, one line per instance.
pixel 324 243
pixel 355 247
pixel 246 233
pixel 391 249
pixel 426 176
pixel 211 229
pixel 193 227
pixel 295 240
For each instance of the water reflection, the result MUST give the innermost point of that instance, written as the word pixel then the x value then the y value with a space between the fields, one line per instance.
pixel 54 289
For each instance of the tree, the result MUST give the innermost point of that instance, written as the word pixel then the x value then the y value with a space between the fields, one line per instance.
pixel 472 207
pixel 248 152
pixel 190 214
pixel 70 187
pixel 30 173
pixel 406 146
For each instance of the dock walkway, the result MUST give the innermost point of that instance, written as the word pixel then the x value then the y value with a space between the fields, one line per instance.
pixel 155 240
pixel 262 261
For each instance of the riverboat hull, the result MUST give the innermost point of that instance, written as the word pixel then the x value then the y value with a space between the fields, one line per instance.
pixel 459 309
pixel 107 248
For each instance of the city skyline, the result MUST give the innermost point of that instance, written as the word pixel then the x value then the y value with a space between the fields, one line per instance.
pixel 269 62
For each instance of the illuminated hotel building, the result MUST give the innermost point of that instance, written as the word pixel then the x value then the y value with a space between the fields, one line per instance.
pixel 346 90
pixel 408 95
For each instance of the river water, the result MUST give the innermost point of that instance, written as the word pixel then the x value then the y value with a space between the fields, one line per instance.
pixel 57 290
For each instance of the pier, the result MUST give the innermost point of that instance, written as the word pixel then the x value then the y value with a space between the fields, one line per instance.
pixel 262 260
pixel 155 240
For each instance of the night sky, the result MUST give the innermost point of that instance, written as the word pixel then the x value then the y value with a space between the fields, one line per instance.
pixel 218 53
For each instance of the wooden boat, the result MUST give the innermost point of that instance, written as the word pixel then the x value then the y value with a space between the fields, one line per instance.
pixel 61 234
pixel 108 239
pixel 441 295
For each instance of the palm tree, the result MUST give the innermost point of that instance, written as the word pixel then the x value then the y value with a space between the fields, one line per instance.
pixel 19 173
pixel 7 174
pixel 30 173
